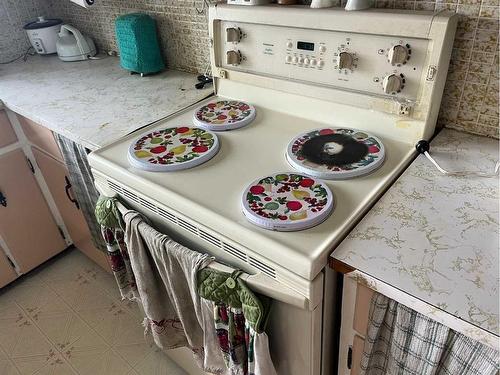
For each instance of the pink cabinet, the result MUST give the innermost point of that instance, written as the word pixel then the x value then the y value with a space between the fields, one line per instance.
pixel 40 137
pixel 55 175
pixel 7 135
pixel 356 299
pixel 26 223
pixel 7 272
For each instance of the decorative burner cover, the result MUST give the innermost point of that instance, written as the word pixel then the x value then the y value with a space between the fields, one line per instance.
pixel 173 149
pixel 224 115
pixel 287 202
pixel 335 153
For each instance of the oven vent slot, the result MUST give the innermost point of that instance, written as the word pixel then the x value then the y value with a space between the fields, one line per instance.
pixel 115 187
pixel 130 195
pixel 187 226
pixel 147 204
pixel 261 266
pixel 167 215
pixel 235 252
pixel 209 238
pixel 214 240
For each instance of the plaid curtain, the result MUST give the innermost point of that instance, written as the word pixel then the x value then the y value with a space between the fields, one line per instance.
pixel 402 341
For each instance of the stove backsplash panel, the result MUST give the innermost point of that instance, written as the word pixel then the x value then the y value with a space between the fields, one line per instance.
pixel 470 101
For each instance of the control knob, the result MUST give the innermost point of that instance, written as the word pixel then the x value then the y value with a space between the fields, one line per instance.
pixel 233 34
pixel 345 60
pixel 398 55
pixel 233 57
pixel 392 83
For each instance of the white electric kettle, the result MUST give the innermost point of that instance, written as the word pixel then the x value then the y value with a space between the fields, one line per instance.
pixel 72 45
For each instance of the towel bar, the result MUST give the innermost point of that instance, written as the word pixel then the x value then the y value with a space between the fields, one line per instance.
pixel 258 282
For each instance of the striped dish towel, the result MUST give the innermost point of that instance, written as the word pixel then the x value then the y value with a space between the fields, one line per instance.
pixel 82 182
pixel 402 341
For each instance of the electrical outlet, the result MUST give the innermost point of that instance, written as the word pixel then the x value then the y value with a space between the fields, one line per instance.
pixel 404 109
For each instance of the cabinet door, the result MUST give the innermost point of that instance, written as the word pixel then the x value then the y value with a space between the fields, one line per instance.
pixel 7 272
pixel 26 224
pixel 40 137
pixel 55 175
pixel 7 135
pixel 356 299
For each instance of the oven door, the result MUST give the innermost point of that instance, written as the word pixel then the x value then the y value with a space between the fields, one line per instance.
pixel 295 323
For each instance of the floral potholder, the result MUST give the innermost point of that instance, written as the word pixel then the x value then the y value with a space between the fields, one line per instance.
pixel 173 148
pixel 287 201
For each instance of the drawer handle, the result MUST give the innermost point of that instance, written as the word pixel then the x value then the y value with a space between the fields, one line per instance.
pixel 3 199
pixel 67 189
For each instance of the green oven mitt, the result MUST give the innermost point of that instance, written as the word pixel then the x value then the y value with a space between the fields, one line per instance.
pixel 107 214
pixel 228 288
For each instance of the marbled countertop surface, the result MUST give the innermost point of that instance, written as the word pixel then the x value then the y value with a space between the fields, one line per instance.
pixel 436 237
pixel 93 102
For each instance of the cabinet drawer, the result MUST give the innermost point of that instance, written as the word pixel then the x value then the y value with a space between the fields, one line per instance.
pixel 7 134
pixel 40 137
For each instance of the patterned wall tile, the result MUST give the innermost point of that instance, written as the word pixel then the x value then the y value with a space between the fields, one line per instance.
pixel 470 101
pixel 14 14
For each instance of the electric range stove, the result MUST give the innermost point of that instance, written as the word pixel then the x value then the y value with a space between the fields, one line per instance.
pixel 367 83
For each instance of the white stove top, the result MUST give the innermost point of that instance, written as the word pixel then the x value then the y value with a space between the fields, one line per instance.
pixel 302 70
pixel 210 194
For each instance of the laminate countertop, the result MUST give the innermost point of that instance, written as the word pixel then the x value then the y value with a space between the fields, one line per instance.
pixel 436 237
pixel 93 102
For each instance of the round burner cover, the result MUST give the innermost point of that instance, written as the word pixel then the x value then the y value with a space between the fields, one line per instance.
pixel 224 115
pixel 173 149
pixel 287 202
pixel 335 153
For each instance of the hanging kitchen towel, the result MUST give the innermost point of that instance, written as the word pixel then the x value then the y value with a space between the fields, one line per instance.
pixel 213 361
pixel 245 352
pixel 239 317
pixel 402 341
pixel 82 181
pixel 165 274
pixel 112 230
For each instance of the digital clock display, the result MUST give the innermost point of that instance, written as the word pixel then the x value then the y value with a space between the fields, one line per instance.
pixel 307 46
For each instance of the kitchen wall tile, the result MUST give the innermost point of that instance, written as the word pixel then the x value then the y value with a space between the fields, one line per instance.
pixel 489 11
pixel 13 16
pixel 184 42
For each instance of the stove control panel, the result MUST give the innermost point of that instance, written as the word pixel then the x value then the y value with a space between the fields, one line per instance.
pixel 382 65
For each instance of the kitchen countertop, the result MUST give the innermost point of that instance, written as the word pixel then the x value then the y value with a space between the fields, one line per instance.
pixel 436 237
pixel 93 102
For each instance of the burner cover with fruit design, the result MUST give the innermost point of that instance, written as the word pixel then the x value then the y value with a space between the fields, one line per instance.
pixel 224 115
pixel 172 149
pixel 287 202
pixel 335 153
